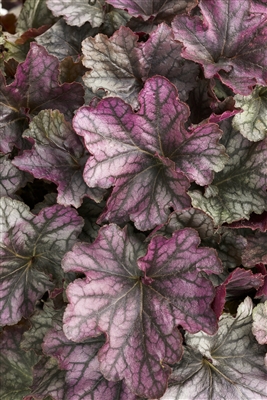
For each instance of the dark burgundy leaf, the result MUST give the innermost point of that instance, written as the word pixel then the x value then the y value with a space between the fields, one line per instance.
pixel 256 250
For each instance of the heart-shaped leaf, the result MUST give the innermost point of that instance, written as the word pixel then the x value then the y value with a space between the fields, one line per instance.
pixel 142 154
pixel 138 302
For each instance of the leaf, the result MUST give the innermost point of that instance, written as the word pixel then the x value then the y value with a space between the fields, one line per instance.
pixel 83 379
pixel 114 64
pixel 259 6
pixel 161 55
pixel 255 222
pixel 87 11
pixel 34 15
pixel 226 40
pixel 152 8
pixel 252 121
pixel 62 40
pixel 138 302
pixel 11 178
pixel 16 365
pixel 259 325
pixel 240 188
pixel 228 244
pixel 31 251
pixel 192 218
pixel 35 88
pixel 121 65
pixel 262 291
pixel 255 252
pixel 41 323
pixel 241 281
pixel 48 380
pixel 141 154
pixel 229 365
pixel 59 156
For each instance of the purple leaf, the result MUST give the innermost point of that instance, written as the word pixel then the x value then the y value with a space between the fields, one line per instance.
pixel 154 8
pixel 31 251
pixel 229 245
pixel 240 281
pixel 86 11
pixel 59 156
pixel 255 252
pixel 229 365
pixel 83 378
pixel 227 41
pixel 255 222
pixel 240 188
pixel 15 364
pixel 262 291
pixel 258 6
pixel 259 325
pixel 142 154
pixel 35 88
pixel 138 302
pixel 161 55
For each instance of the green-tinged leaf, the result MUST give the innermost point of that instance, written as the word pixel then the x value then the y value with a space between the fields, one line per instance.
pixel 48 379
pixel 259 326
pixel 62 40
pixel 41 322
pixel 226 366
pixel 33 15
pixel 11 178
pixel 252 122
pixel 240 188
pixel 16 365
pixel 30 254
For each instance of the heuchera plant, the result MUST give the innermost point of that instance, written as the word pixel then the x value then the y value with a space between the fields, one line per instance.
pixel 133 200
